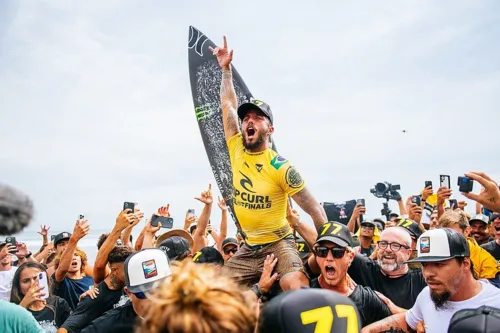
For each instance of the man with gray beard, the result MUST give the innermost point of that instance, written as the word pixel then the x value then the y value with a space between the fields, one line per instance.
pixel 390 275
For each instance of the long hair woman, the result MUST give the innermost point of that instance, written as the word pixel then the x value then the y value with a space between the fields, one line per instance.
pixel 50 312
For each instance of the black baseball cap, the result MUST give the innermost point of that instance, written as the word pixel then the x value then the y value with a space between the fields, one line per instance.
pixel 440 245
pixel 411 226
pixel 208 255
pixel 60 237
pixel 368 223
pixel 391 215
pixel 255 105
pixel 230 241
pixel 494 216
pixel 283 313
pixel 484 319
pixel 335 232
pixel 174 247
pixel 302 247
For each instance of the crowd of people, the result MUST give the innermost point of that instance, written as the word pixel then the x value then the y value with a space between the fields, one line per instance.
pixel 404 273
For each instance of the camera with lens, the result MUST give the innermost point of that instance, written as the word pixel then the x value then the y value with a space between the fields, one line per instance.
pixel 384 190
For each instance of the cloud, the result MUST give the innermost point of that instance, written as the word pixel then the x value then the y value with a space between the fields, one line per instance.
pixel 97 105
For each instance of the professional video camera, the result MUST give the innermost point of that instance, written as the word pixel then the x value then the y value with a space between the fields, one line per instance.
pixel 385 190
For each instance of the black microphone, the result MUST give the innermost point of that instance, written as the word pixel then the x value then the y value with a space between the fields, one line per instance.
pixel 16 210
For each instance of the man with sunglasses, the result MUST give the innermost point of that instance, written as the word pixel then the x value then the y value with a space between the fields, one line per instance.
pixel 144 270
pixel 334 254
pixel 390 274
pixel 229 247
pixel 366 246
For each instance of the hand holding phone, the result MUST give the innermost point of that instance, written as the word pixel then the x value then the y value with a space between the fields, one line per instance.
pixel 428 183
pixel 166 222
pixel 465 184
pixel 129 205
pixel 43 282
pixel 416 199
pixel 453 203
pixel 12 242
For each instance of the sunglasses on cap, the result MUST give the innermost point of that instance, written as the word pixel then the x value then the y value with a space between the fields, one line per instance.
pixel 232 250
pixel 322 252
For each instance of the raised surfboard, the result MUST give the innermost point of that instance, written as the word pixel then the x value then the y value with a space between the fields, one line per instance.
pixel 205 76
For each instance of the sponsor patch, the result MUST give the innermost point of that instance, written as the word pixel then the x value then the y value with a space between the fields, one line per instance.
pixel 293 178
pixel 259 167
pixel 425 245
pixel 278 161
pixel 149 268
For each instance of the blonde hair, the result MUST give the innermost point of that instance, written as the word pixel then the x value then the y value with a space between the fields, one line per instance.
pixel 79 252
pixel 198 299
pixel 452 217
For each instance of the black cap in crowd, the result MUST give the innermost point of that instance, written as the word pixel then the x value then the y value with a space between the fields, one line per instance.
pixel 208 255
pixel 255 105
pixel 440 245
pixel 391 215
pixel 336 233
pixel 60 237
pixel 302 247
pixel 484 319
pixel 380 223
pixel 283 313
pixel 494 216
pixel 174 247
pixel 369 223
pixel 230 241
pixel 411 226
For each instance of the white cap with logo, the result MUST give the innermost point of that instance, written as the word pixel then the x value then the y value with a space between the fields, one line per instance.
pixel 145 268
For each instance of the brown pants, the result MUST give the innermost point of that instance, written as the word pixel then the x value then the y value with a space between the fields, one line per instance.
pixel 247 264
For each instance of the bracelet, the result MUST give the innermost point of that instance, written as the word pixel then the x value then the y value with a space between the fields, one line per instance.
pixel 28 255
pixel 257 290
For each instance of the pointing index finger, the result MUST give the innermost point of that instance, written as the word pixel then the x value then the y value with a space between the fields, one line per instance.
pixel 225 41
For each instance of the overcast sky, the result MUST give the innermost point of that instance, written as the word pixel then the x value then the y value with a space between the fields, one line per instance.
pixel 96 107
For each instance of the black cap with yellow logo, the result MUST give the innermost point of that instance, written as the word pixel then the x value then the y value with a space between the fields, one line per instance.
pixel 335 232
pixel 256 105
pixel 304 310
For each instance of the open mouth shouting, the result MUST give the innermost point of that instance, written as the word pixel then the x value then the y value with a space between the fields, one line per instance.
pixel 330 272
pixel 250 132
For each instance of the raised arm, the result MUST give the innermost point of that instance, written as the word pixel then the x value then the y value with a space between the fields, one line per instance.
pixel 200 240
pixel 308 203
pixel 80 231
pixel 223 223
pixel 228 99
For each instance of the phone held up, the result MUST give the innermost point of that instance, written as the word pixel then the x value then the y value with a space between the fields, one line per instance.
pixel 465 184
pixel 129 205
pixel 416 199
pixel 360 202
pixel 166 222
pixel 445 181
pixel 453 203
pixel 43 282
pixel 12 241
pixel 191 212
pixel 428 183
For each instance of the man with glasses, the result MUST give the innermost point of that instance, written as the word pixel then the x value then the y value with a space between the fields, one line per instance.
pixel 389 274
pixel 144 270
pixel 229 248
pixel 334 255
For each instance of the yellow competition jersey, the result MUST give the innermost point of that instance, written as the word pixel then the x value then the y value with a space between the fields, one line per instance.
pixel 261 185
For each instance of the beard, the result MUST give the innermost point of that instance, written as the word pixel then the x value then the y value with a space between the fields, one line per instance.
pixel 440 299
pixel 251 146
pixel 390 267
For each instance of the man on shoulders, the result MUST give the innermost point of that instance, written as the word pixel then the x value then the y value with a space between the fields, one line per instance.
pixel 263 181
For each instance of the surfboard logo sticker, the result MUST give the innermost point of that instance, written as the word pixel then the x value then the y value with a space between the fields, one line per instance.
pixel 196 40
pixel 203 111
pixel 278 161
pixel 293 177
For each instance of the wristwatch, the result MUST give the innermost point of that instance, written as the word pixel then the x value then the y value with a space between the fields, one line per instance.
pixel 257 290
pixel 28 255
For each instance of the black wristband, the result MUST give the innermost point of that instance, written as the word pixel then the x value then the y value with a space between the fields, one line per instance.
pixel 256 289
pixel 28 255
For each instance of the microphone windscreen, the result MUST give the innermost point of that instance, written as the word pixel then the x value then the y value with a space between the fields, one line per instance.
pixel 16 210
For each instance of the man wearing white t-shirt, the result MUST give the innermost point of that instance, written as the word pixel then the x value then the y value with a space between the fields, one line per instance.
pixel 7 271
pixel 452 286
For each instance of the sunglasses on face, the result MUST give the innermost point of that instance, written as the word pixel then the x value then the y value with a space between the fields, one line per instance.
pixel 394 246
pixel 369 227
pixel 322 252
pixel 231 250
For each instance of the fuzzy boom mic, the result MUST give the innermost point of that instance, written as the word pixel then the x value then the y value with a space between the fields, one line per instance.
pixel 16 210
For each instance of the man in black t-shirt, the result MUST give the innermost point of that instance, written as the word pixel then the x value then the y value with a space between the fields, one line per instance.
pixel 334 254
pixel 390 274
pixel 493 247
pixel 144 270
pixel 110 294
pixel 366 246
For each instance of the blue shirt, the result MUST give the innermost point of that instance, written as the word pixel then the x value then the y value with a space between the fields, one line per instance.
pixel 71 290
pixel 16 319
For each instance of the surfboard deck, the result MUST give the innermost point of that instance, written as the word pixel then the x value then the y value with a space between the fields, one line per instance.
pixel 205 77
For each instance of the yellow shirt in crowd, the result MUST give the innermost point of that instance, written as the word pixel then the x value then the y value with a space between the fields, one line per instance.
pixel 485 266
pixel 262 183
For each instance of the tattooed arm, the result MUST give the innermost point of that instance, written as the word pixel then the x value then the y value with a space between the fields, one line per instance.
pixel 311 206
pixel 393 324
pixel 229 104
pixel 228 99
